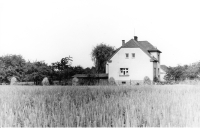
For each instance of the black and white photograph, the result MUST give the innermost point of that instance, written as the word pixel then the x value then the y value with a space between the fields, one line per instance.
pixel 99 63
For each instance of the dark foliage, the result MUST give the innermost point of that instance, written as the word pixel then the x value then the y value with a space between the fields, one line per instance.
pixel 26 71
pixel 100 55
pixel 180 73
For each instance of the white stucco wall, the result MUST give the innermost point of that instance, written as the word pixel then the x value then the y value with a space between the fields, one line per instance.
pixel 162 74
pixel 139 67
pixel 107 68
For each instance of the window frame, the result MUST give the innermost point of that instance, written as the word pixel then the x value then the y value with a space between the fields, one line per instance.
pixel 123 82
pixel 127 55
pixel 133 57
pixel 124 71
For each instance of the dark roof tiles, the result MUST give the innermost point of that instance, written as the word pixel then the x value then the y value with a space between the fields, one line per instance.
pixel 145 46
pixel 164 67
pixel 130 44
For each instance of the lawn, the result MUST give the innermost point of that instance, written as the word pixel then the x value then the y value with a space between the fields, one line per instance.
pixel 105 106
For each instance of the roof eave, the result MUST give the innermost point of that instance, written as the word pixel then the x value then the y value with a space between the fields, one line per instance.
pixel 155 51
pixel 113 54
pixel 152 60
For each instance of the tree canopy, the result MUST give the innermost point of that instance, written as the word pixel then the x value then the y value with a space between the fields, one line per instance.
pixel 11 65
pixel 100 55
pixel 179 72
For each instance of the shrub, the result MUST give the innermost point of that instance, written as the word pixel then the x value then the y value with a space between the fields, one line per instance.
pixel 75 81
pixel 112 81
pixel 45 81
pixel 147 80
pixel 13 81
pixel 155 79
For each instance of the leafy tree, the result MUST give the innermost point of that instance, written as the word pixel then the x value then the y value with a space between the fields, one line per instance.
pixel 36 71
pixel 78 70
pixel 57 70
pixel 193 71
pixel 65 62
pixel 100 54
pixel 175 73
pixel 89 70
pixel 11 65
pixel 62 68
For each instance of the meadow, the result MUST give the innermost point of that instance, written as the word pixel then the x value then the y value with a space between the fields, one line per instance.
pixel 100 106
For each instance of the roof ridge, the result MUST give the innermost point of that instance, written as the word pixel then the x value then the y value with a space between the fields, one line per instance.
pixel 132 42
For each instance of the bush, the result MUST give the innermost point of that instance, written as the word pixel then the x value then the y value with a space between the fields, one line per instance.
pixel 75 81
pixel 155 79
pixel 45 81
pixel 147 80
pixel 112 81
pixel 13 81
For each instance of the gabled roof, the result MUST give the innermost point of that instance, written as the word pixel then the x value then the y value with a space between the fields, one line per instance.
pixel 164 68
pixel 91 75
pixel 145 46
pixel 149 47
pixel 131 44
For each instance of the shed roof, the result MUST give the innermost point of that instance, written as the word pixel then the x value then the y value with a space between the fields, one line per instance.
pixel 91 75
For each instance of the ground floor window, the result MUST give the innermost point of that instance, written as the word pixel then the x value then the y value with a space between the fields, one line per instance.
pixel 154 72
pixel 123 82
pixel 124 71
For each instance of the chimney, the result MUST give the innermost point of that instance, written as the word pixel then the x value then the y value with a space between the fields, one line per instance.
pixel 123 42
pixel 135 38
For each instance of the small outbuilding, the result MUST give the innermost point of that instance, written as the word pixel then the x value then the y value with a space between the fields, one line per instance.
pixel 91 79
pixel 163 71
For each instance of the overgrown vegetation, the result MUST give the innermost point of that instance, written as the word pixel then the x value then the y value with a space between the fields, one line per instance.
pixel 147 81
pixel 182 73
pixel 26 71
pixel 107 106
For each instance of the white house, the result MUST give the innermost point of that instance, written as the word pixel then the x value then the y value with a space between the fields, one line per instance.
pixel 163 70
pixel 133 61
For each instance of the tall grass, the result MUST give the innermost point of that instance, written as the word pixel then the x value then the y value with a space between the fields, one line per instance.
pixel 190 82
pixel 106 106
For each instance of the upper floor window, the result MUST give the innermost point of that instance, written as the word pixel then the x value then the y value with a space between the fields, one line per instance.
pixel 133 55
pixel 127 55
pixel 124 71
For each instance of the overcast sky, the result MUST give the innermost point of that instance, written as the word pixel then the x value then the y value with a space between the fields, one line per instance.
pixel 52 29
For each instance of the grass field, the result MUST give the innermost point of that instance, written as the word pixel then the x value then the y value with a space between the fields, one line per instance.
pixel 106 106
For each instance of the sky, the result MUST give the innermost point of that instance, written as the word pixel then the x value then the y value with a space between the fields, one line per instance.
pixel 48 30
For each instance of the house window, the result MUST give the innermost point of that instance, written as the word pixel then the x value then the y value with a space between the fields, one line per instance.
pixel 126 55
pixel 154 72
pixel 133 55
pixel 123 82
pixel 124 71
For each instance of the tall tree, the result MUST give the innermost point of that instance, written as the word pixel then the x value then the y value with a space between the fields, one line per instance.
pixel 100 54
pixel 62 67
pixel 65 64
